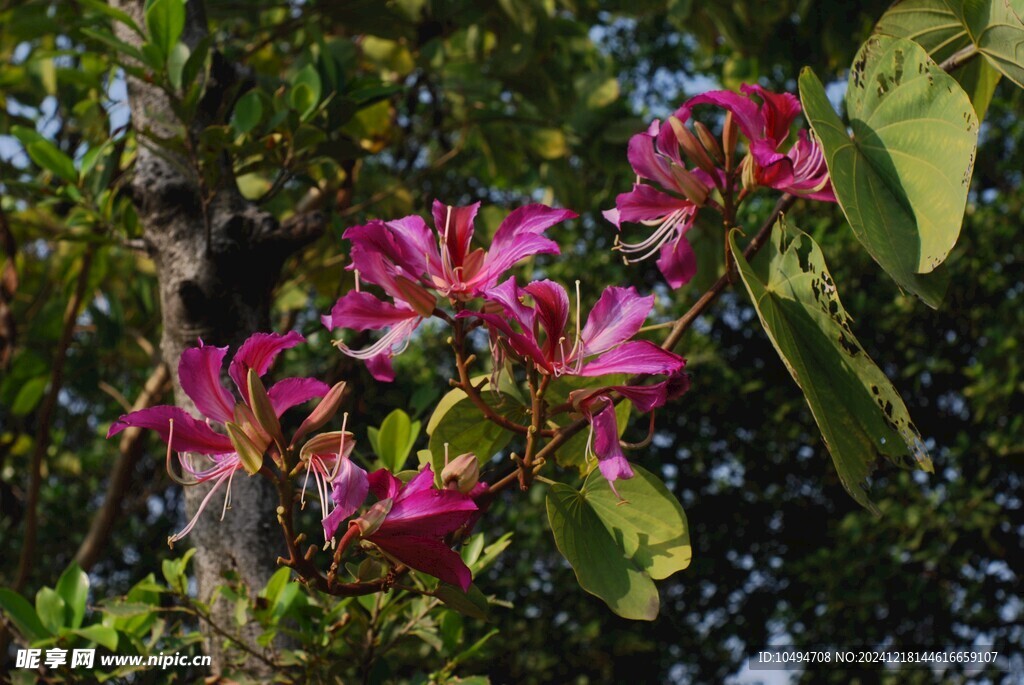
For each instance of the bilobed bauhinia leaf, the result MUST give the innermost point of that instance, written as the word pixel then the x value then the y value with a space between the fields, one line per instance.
pixel 859 412
pixel 938 29
pixel 616 548
pixel 902 173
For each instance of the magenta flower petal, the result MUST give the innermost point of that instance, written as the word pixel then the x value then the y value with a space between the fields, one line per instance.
pixel 190 434
pixel 378 355
pixel 617 316
pixel 258 353
pixel 637 356
pixel 199 372
pixel 430 556
pixel 645 203
pixel 678 262
pixel 348 492
pixel 381 368
pixel 510 296
pixel 801 171
pixel 552 307
pixel 383 485
pixel 647 163
pixel 418 252
pixel 362 311
pixel 382 252
pixel 518 237
pixel 648 397
pixel 745 111
pixel 291 392
pixel 430 512
pixel 612 215
pixel 524 344
pixel 610 457
pixel 455 226
pixel 424 480
pixel 778 110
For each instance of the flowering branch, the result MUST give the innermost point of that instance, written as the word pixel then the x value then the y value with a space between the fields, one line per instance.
pixel 679 328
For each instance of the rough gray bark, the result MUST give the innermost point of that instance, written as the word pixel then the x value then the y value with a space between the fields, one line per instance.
pixel 217 267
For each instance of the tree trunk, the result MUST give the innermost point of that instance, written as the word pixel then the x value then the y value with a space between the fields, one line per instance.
pixel 218 257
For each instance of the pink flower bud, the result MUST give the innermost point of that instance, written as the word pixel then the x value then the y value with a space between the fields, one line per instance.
pixel 462 473
pixel 371 521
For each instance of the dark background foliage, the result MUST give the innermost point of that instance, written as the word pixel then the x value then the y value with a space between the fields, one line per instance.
pixel 508 102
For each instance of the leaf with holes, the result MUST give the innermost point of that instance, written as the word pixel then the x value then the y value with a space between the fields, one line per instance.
pixel 859 412
pixel 902 174
pixel 937 28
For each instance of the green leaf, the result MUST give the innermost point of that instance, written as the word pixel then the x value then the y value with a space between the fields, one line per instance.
pixel 73 587
pixel 174 571
pixel 176 62
pixel 29 395
pixel 195 63
pixel 472 603
pixel 618 547
pixel 165 20
pixel 22 615
pixel 902 176
pixel 272 590
pixel 49 157
pixel 550 143
pixel 101 635
pixel 50 609
pixel 126 609
pixel 859 412
pixel 996 29
pixel 305 93
pixel 599 563
pixel 394 440
pixel 248 112
pixel 936 28
pixel 458 422
pixel 113 13
pixel 112 41
pixel 648 522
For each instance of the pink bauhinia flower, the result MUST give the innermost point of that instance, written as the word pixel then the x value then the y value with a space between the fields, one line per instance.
pixel 767 124
pixel 667 195
pixel 540 333
pixel 418 518
pixel 413 265
pixel 199 371
pixel 654 156
pixel 602 346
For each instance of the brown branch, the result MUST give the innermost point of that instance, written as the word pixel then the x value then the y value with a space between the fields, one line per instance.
pixel 959 58
pixel 538 411
pixel 129 451
pixel 42 442
pixel 686 320
pixel 234 639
